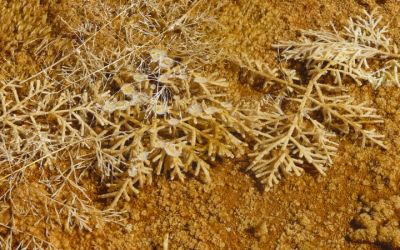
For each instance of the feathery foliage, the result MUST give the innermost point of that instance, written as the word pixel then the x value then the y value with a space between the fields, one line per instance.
pixel 308 112
pixel 361 51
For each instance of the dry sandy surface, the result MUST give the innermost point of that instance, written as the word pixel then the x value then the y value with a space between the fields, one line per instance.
pixel 354 207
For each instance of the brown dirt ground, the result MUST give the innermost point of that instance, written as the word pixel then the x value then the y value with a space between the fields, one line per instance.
pixel 311 212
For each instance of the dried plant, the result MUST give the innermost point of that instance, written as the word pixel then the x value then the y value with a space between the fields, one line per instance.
pixel 121 109
pixel 160 115
pixel 307 113
pixel 175 120
pixel 133 99
pixel 362 52
pixel 113 108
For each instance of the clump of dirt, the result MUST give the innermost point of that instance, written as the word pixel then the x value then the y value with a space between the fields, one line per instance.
pixel 378 223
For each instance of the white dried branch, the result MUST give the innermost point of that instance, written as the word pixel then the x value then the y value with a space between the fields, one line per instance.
pixel 350 52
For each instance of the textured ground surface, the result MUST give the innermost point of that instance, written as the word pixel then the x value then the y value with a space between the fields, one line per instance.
pixel 312 212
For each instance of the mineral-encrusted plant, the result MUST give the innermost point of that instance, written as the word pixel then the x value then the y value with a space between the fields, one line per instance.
pixel 313 108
